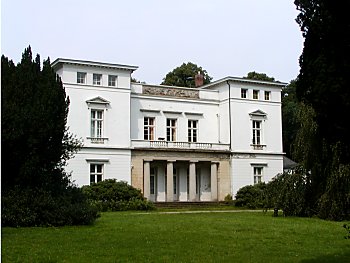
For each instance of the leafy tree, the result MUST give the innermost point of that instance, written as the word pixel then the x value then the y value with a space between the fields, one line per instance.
pixel 323 142
pixel 35 141
pixel 184 75
pixel 258 76
pixel 290 124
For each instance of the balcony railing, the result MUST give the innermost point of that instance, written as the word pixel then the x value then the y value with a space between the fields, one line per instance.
pixel 179 145
pixel 98 140
pixel 258 146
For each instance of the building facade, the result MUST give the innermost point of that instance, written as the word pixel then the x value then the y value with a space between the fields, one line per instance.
pixel 173 143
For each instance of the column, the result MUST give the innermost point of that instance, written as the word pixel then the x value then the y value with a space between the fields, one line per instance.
pixel 146 178
pixel 169 181
pixel 214 181
pixel 192 182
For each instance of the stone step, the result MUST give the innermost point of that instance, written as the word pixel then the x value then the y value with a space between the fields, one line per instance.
pixel 187 204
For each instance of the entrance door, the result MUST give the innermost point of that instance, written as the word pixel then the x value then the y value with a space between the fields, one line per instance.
pixel 153 184
pixel 198 184
pixel 175 185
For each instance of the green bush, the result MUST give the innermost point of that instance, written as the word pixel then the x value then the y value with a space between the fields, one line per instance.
pixel 251 196
pixel 113 195
pixel 288 192
pixel 37 207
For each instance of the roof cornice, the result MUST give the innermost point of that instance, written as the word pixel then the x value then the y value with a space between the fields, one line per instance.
pixel 59 61
pixel 244 80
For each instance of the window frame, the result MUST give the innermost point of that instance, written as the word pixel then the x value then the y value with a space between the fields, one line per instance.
pixel 256 94
pixel 149 128
pixel 94 173
pixel 171 129
pixel 257 133
pixel 192 132
pixel 81 77
pixel 112 80
pixel 94 123
pixel 244 93
pixel 97 79
pixel 258 174
pixel 267 95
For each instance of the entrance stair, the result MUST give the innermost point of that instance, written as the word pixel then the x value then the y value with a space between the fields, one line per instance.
pixel 179 205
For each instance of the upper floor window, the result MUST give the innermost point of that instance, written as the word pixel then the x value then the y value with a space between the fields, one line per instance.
pixel 244 93
pixel 258 171
pixel 96 173
pixel 267 95
pixel 255 94
pixel 256 132
pixel 112 80
pixel 192 130
pixel 97 79
pixel 81 77
pixel 171 130
pixel 148 128
pixel 96 123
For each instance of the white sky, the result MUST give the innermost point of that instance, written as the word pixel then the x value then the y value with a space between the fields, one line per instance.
pixel 225 37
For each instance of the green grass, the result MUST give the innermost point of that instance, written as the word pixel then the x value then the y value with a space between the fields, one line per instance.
pixel 197 237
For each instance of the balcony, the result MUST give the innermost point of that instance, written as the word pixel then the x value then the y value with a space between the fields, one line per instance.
pixel 180 145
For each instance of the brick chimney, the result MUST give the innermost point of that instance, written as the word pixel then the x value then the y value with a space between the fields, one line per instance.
pixel 198 79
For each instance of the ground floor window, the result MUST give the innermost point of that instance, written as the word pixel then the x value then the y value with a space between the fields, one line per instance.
pixel 96 173
pixel 258 175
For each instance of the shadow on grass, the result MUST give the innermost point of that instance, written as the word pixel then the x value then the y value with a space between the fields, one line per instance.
pixel 336 258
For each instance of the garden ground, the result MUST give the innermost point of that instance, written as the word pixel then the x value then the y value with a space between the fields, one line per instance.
pixel 182 237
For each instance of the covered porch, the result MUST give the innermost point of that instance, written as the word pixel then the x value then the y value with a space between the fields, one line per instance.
pixel 180 180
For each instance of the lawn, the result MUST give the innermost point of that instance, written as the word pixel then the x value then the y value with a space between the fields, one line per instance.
pixel 184 237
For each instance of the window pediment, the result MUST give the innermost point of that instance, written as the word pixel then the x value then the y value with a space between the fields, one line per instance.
pixel 258 114
pixel 98 101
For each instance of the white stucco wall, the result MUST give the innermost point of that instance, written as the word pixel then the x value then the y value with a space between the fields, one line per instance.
pixel 242 172
pixel 205 111
pixel 117 165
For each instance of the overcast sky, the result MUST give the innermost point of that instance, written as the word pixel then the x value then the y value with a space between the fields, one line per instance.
pixel 225 37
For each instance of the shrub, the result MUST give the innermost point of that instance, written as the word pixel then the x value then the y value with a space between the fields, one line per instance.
pixel 113 195
pixel 228 199
pixel 37 207
pixel 251 196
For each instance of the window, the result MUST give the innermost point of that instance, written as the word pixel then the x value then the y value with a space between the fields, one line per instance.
pixel 192 130
pixel 256 132
pixel 171 130
pixel 96 173
pixel 267 95
pixel 97 78
pixel 148 130
pixel 96 123
pixel 255 94
pixel 112 80
pixel 257 175
pixel 81 77
pixel 244 93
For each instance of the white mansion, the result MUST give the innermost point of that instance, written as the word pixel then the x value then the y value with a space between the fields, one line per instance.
pixel 173 143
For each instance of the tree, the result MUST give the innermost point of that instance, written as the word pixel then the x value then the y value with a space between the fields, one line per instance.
pixel 323 88
pixel 258 76
pixel 35 141
pixel 324 77
pixel 290 124
pixel 184 75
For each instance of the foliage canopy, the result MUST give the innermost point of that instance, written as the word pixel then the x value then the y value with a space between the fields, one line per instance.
pixel 184 76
